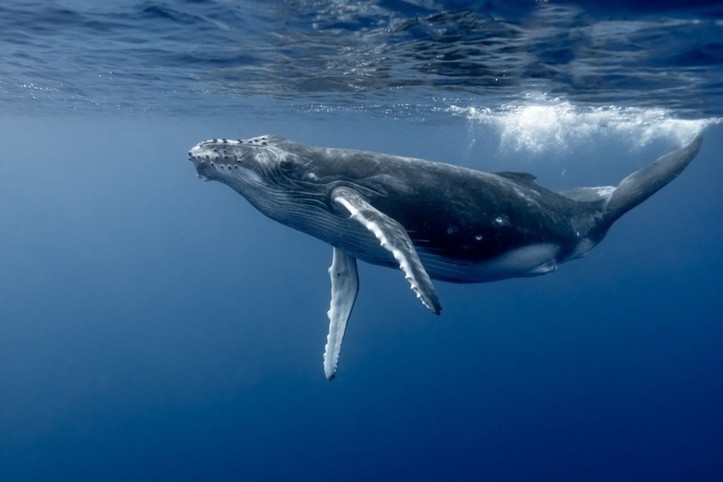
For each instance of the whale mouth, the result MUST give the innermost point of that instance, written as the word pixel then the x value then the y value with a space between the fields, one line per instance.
pixel 204 159
pixel 202 170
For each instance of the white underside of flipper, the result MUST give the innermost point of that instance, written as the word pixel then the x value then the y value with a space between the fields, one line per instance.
pixel 344 288
pixel 394 238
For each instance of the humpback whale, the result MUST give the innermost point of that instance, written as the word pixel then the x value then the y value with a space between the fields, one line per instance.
pixel 429 219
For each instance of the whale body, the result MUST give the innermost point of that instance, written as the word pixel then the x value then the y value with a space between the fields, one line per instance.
pixel 431 220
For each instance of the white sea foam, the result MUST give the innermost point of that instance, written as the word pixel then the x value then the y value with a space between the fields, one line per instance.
pixel 541 123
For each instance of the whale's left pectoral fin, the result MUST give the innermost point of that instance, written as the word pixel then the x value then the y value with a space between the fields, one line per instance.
pixel 394 238
pixel 344 288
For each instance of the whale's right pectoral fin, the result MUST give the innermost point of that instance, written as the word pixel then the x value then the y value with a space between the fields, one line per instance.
pixel 394 238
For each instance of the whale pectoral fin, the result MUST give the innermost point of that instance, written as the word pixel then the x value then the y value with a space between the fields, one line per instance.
pixel 394 238
pixel 344 288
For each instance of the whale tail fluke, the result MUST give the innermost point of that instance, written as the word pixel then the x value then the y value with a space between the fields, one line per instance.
pixel 606 204
pixel 640 185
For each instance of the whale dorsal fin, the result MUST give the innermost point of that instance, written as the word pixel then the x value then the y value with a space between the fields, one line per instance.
pixel 394 238
pixel 521 177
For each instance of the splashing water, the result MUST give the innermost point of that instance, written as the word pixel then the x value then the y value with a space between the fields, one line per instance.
pixel 541 124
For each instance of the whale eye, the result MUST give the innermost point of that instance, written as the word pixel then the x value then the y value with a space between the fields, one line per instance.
pixel 292 167
pixel 288 168
pixel 286 165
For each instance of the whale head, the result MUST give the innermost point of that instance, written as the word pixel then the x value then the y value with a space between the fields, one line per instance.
pixel 236 161
pixel 267 170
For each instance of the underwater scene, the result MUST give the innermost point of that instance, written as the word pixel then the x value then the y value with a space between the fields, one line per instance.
pixel 177 177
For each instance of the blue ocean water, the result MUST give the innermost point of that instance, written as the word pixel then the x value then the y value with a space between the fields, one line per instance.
pixel 156 327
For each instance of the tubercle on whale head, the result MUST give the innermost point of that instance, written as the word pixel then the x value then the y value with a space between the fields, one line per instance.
pixel 266 159
pixel 269 172
pixel 219 159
